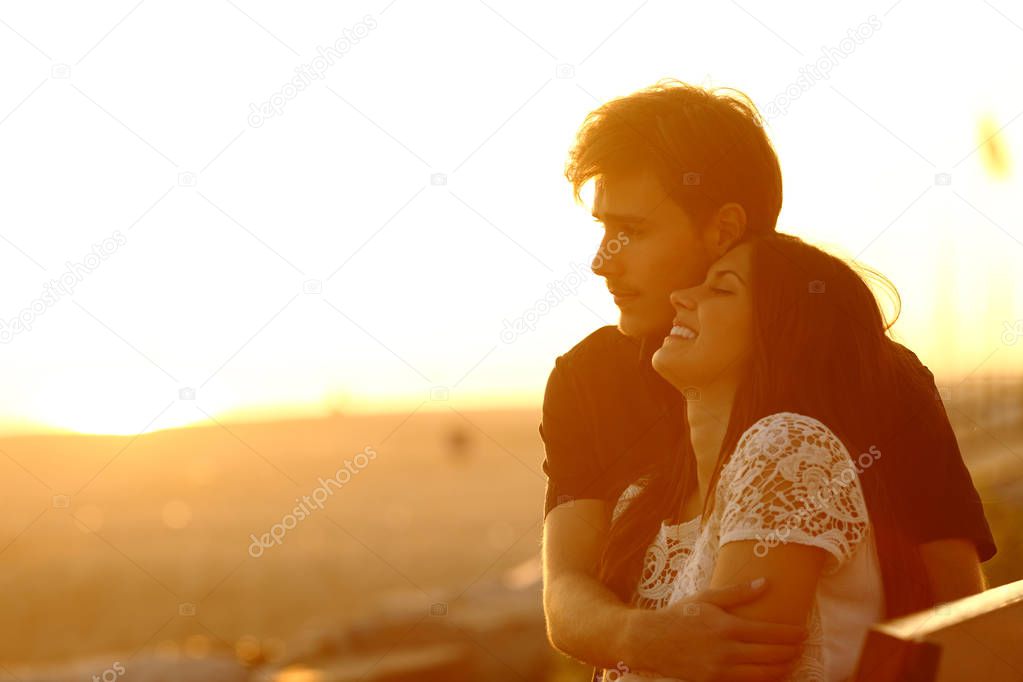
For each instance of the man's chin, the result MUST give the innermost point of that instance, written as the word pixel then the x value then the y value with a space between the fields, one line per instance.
pixel 629 327
pixel 639 328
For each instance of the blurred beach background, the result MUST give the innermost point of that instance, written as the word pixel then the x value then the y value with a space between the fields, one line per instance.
pixel 245 248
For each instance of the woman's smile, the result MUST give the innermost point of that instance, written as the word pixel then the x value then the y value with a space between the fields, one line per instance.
pixel 683 332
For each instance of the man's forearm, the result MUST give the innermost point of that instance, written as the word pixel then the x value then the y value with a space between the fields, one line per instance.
pixel 953 568
pixel 587 621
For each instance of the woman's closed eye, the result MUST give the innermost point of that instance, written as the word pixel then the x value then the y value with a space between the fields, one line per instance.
pixel 720 291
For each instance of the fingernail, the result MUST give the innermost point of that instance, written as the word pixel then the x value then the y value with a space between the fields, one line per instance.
pixel 757 583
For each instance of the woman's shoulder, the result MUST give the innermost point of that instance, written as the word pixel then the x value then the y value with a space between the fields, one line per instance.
pixel 782 445
pixel 782 431
pixel 791 479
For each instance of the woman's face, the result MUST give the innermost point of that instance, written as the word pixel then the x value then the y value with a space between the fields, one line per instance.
pixel 711 338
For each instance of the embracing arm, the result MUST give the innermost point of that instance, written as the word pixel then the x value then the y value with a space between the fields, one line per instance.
pixel 584 618
pixel 709 642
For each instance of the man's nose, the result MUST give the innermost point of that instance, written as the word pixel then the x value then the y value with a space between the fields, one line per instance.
pixel 604 263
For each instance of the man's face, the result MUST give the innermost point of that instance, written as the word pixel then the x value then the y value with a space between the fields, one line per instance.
pixel 650 248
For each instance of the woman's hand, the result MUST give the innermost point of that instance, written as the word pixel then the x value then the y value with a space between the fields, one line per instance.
pixel 697 640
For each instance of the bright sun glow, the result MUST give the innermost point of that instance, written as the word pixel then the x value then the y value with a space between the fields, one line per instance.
pixel 109 401
pixel 358 247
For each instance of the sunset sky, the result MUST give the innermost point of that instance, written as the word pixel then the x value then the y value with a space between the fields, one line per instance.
pixel 360 246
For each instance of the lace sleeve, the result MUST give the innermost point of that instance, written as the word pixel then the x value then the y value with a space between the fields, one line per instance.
pixel 791 479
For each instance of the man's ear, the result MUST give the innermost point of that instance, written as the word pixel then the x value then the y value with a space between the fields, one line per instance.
pixel 727 226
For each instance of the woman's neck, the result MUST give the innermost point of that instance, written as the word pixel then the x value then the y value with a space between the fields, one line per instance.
pixel 708 421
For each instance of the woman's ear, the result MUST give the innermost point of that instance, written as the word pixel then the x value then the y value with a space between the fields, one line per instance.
pixel 726 228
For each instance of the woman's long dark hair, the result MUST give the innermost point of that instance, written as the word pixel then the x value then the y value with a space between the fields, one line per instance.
pixel 821 348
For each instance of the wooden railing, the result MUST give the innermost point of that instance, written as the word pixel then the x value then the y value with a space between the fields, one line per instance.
pixel 979 637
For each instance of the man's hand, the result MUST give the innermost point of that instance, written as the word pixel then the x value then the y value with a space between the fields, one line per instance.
pixel 697 639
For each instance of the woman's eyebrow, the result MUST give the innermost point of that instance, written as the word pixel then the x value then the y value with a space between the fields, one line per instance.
pixel 719 273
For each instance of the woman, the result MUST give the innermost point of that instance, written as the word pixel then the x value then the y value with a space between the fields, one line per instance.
pixel 783 357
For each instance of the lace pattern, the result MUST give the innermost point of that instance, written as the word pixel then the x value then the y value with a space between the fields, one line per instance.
pixel 792 480
pixel 665 557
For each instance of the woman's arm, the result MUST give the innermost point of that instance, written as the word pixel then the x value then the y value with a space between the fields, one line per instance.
pixel 791 570
pixel 791 506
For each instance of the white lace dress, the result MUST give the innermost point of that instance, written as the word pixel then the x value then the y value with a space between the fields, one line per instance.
pixel 790 479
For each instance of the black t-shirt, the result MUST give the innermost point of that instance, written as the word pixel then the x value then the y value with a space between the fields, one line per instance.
pixel 608 415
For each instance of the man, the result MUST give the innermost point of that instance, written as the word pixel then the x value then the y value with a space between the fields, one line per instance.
pixel 681 175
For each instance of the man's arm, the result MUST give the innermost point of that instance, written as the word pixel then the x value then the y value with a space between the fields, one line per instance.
pixel 695 639
pixel 584 618
pixel 954 568
pixel 944 511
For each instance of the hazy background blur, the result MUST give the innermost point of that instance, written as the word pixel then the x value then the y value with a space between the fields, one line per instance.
pixel 297 275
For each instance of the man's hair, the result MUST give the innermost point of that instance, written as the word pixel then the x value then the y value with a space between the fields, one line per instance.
pixel 707 147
